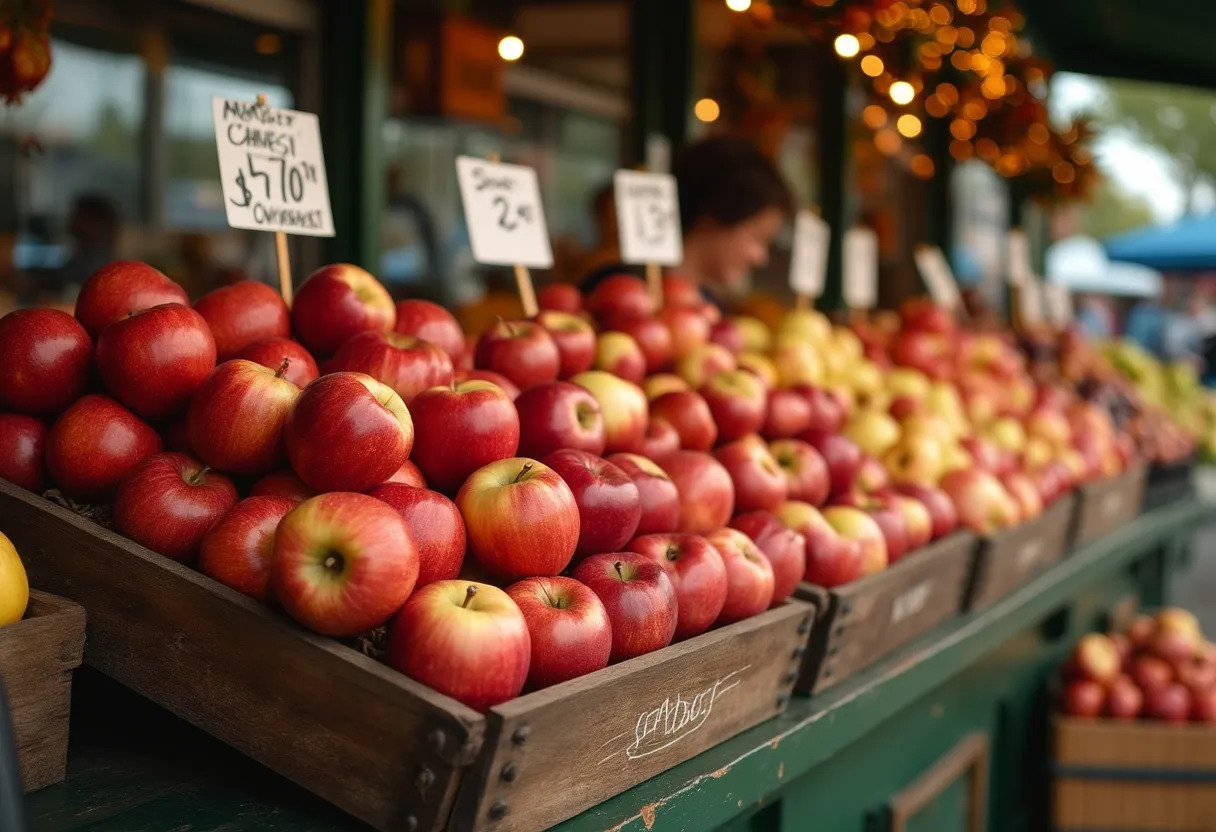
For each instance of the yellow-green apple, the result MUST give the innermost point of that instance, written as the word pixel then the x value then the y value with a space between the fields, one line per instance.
pixel 1176 636
pixel 609 505
pixel 1050 425
pixel 874 431
pixel 908 383
pixel 915 458
pixel 236 417
pixel 509 387
pixel 703 363
pixel 749 575
pixel 568 626
pixel 337 302
pixel 639 597
pixel 660 501
pixel 560 297
pixel 408 474
pixel 45 359
pixel 707 494
pixel 430 322
pixel 831 560
pixel 237 549
pixel 784 548
pixel 689 329
pixel 890 520
pixel 680 291
pixel 624 407
pixel 619 354
pixel 760 366
pixel 619 295
pixel 22 451
pixel 940 506
pixel 435 525
pixel 918 523
pixel 93 443
pixel 117 289
pixel 301 368
pixel 466 640
pixel 523 351
pixel 758 479
pixel 462 428
pixel 841 455
pixel 689 413
pixel 407 364
pixel 168 501
pixel 738 402
pixel 872 477
pixel 241 314
pixel 808 324
pixel 696 571
pixel 574 339
pixel 1023 491
pixel 924 423
pixel 797 362
pixel 661 383
pixel 788 414
pixel 347 432
pixel 982 503
pixel 660 439
pixel 806 474
pixel 726 333
pixel 756 335
pixel 855 524
pixel 283 483
pixel 868 383
pixel 828 412
pixel 154 360
pixel 555 415
pixel 1007 434
pixel 652 337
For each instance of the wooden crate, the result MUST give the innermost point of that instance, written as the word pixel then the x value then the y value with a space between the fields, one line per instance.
pixel 1010 558
pixel 1133 776
pixel 1106 505
pixel 368 739
pixel 37 657
pixel 862 621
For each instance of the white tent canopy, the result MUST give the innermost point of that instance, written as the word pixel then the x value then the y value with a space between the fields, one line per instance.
pixel 1081 264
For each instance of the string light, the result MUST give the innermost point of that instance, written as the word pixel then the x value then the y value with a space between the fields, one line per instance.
pixel 1064 173
pixel 922 166
pixel 510 48
pixel 707 110
pixel 874 116
pixel 887 141
pixel 961 150
pixel 738 5
pixel 902 92
pixel 908 125
pixel 872 65
pixel 847 46
pixel 962 129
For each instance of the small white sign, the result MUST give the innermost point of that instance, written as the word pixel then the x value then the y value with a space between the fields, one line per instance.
pixel 860 268
pixel 809 260
pixel 648 216
pixel 1057 301
pixel 1019 257
pixel 1029 298
pixel 271 168
pixel 939 279
pixel 503 209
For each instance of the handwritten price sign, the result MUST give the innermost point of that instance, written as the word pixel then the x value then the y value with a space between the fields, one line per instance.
pixel 939 279
pixel 648 215
pixel 860 267
pixel 272 168
pixel 809 261
pixel 503 209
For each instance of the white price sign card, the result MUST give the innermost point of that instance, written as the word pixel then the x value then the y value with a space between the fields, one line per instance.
pixel 1029 294
pixel 272 168
pixel 860 267
pixel 809 260
pixel 648 216
pixel 939 279
pixel 1019 257
pixel 503 209
pixel 1058 302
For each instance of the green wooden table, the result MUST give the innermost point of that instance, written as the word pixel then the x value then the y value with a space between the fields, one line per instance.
pixel 832 762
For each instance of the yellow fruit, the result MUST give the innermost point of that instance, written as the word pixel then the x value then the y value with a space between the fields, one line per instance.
pixel 760 365
pixel 756 336
pixel 14 586
pixel 846 343
pixel 873 431
pixel 806 324
pixel 908 383
pixel 798 363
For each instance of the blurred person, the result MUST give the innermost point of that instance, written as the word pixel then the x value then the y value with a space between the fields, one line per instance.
pixel 93 225
pixel 1095 317
pixel 1146 325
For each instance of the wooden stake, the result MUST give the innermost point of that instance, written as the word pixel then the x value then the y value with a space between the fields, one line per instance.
pixel 523 278
pixel 280 250
pixel 654 279
pixel 802 302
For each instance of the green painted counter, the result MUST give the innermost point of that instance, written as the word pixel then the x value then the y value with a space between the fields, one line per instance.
pixel 830 763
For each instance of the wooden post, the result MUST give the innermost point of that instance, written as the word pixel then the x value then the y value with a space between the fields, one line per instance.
pixel 802 302
pixel 654 279
pixel 523 278
pixel 280 250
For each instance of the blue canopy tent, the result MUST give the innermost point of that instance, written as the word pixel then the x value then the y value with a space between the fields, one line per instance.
pixel 1188 245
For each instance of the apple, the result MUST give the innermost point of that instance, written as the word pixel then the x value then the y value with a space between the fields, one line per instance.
pixel 237 549
pixel 697 572
pixel 522 351
pixel 855 524
pixel 1123 646
pixel 407 474
pixel 45 358
pixel 117 289
pixel 1150 673
pixel 347 432
pixel 639 597
pixel 831 560
pixel 557 414
pixel 1023 491
pixel 619 354
pixel 93 443
pixel 1171 703
pixel 241 314
pixel 660 439
pixel 337 302
pixel 509 387
pixel 703 363
pixel 798 363
pixel 466 640
pixel 890 519
pixel 283 483
pixel 872 477
pixel 1203 705
pixel 653 338
pixel 840 454
pixel 620 295
pixel 918 523
pixel 660 383
pixel 559 297
pixel 738 403
pixel 659 498
pixel 1176 646
pixel 236 417
pixel 828 413
pixel 1084 699
pixel 921 314
pixel 569 629
pixel 1096 658
pixel 624 407
pixel 168 501
pixel 784 548
pixel 680 291
pixel 22 450
pixel 929 353
pixel 940 506
pixel 1123 699
pixel 756 335
pixel 574 339
pixel 726 333
pixel 301 368
pixel 430 322
pixel 1140 631
pixel 749 576
pixel 788 414
pixel 982 503
pixel 758 479
pixel 434 523
pixel 689 329
pixel 707 494
pixel 1179 620
pixel 873 431
pixel 689 413
pixel 609 504
pixel 461 429
pixel 760 366
pixel 520 517
pixel 407 364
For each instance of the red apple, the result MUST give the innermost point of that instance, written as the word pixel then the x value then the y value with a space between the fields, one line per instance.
pixel 462 428
pixel 726 333
pixel 237 549
pixel 921 314
pixel 841 455
pixel 301 368
pixel 117 289
pixel 347 432
pixel 983 504
pixel 831 560
pixel 1123 699
pixel 407 474
pixel 1123 646
pixel 45 357
pixel 872 477
pixel 168 501
pixel 559 297
pixel 1171 703
pixel 337 302
pixel 788 414
pixel 689 329
pixel 687 412
pixel 738 402
pixel 707 494
pixel 703 363
pixel 1024 493
pixel 1150 672
pixel 509 387
pixel 522 351
pixel 918 523
pixel 784 548
pixel 435 525
pixel 660 383
pixel 236 417
pixel 749 576
pixel 619 295
pixel 855 524
pixel 466 640
pixel 22 449
pixel 430 322
pixel 652 336
pixel 659 498
pixel 557 414
pixel 1084 699
pixel 941 507
pixel 241 314
pixel 569 629
pixel 154 360
pixel 758 479
pixel 407 364
pixel 619 354
pixel 624 406
pixel 283 483
pixel 890 521
pixel 828 413
pixel 639 597
pixel 574 339
pixel 697 572
pixel 805 472
pixel 93 443
pixel 609 505
pixel 1203 705
pixel 1141 631
pixel 987 456
pixel 660 439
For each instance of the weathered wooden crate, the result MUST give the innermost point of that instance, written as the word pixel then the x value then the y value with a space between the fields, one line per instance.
pixel 1106 505
pixel 860 622
pixel 368 739
pixel 37 657
pixel 1010 558
pixel 1140 776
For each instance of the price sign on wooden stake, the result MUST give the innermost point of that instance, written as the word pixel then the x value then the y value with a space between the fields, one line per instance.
pixel 648 216
pixel 1019 257
pixel 1028 295
pixel 809 259
pixel 860 253
pixel 939 280
pixel 503 208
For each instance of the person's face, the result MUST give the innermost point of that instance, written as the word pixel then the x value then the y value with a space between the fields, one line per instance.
pixel 734 250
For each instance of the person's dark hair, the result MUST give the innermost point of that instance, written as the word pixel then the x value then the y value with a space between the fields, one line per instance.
pixel 729 181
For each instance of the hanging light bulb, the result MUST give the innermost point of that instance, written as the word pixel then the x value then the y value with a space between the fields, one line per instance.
pixel 847 46
pixel 908 125
pixel 871 65
pixel 510 48
pixel 738 5
pixel 902 92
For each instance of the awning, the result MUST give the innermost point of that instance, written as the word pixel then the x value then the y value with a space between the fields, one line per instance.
pixel 1081 264
pixel 1188 245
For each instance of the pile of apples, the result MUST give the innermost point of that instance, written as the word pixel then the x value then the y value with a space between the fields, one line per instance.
pixel 1161 667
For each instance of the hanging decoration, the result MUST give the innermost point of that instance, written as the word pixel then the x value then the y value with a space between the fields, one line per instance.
pixel 25 46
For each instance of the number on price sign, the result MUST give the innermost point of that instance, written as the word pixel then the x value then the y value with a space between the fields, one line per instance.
pixel 648 216
pixel 272 168
pixel 809 261
pixel 503 209
pixel 860 268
